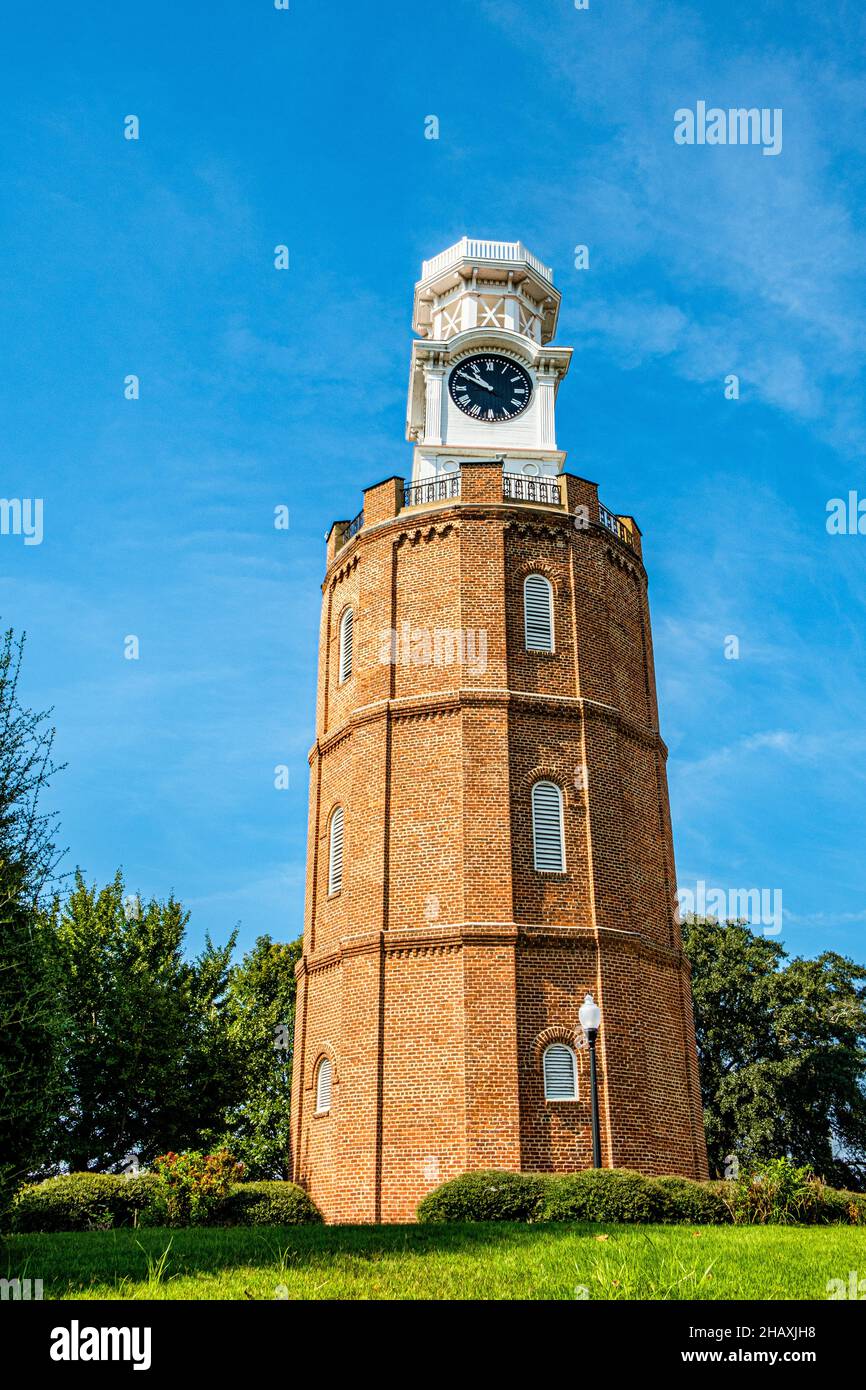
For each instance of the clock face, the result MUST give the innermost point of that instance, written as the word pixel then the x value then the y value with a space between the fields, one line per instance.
pixel 490 387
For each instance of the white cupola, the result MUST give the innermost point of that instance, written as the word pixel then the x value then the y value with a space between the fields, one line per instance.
pixel 484 376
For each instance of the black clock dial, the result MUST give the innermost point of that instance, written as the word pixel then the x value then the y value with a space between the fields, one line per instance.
pixel 490 387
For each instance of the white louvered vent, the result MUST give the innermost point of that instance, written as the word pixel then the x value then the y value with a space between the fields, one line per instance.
pixel 335 852
pixel 560 1073
pixel 547 837
pixel 347 623
pixel 324 1077
pixel 538 613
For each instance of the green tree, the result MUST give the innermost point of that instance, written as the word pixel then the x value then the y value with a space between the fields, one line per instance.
pixel 213 1062
pixel 30 1020
pixel 146 1054
pixel 781 1051
pixel 262 1011
pixel 30 1034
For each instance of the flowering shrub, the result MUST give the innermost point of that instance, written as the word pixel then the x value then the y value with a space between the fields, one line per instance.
pixel 190 1186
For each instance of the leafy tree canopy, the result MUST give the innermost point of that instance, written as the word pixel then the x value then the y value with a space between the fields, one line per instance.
pixel 147 1061
pixel 30 1021
pixel 781 1051
pixel 262 1014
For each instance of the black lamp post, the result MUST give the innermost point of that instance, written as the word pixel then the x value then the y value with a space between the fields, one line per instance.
pixel 590 1022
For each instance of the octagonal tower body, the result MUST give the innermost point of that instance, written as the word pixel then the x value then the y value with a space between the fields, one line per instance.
pixel 442 963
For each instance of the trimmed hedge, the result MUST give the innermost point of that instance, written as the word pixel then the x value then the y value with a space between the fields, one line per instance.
pixel 485 1196
pixel 268 1204
pixel 98 1201
pixel 601 1194
pixel 604 1194
pixel 618 1195
pixel 695 1203
pixel 81 1202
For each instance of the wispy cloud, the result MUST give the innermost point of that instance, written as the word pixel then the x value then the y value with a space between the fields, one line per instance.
pixel 763 258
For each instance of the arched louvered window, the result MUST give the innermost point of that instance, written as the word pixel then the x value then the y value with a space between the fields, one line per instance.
pixel 347 623
pixel 560 1073
pixel 538 613
pixel 548 840
pixel 324 1078
pixel 335 852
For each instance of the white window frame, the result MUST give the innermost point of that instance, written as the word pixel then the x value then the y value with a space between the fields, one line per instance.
pixel 570 1050
pixel 336 859
pixel 324 1062
pixel 347 624
pixel 536 810
pixel 530 639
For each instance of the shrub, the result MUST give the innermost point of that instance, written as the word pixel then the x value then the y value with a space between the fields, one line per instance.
pixel 781 1193
pixel 854 1204
pixel 606 1194
pixel 81 1202
pixel 484 1196
pixel 834 1207
pixel 190 1187
pixel 602 1194
pixel 777 1192
pixel 97 1201
pixel 267 1204
pixel 137 1195
pixel 692 1203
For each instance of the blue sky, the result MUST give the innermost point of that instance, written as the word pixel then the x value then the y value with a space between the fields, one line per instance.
pixel 261 388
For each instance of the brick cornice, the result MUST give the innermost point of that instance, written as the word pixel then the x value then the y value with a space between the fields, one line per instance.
pixel 340 569
pixel 442 517
pixel 619 554
pixel 467 697
pixel 456 936
pixel 541 525
pixel 428 531
pixel 628 940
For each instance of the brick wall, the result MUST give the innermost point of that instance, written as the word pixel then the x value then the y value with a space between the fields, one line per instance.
pixel 436 977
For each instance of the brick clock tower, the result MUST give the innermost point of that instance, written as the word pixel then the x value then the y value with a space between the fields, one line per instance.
pixel 489 832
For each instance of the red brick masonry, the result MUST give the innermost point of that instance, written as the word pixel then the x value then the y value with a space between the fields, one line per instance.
pixel 436 977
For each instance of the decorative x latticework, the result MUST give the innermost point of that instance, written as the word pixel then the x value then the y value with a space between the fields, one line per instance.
pixel 451 321
pixel 491 313
pixel 527 322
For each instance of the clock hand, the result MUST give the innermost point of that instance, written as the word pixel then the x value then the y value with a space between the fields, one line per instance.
pixel 481 382
pixel 476 379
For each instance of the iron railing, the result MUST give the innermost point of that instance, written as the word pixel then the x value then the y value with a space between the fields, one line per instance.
pixel 613 524
pixel 520 487
pixel 516 487
pixel 431 490
pixel 353 527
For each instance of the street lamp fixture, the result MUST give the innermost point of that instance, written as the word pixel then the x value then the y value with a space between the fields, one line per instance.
pixel 590 1022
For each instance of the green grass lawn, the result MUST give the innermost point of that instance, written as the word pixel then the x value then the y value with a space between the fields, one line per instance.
pixel 489 1261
